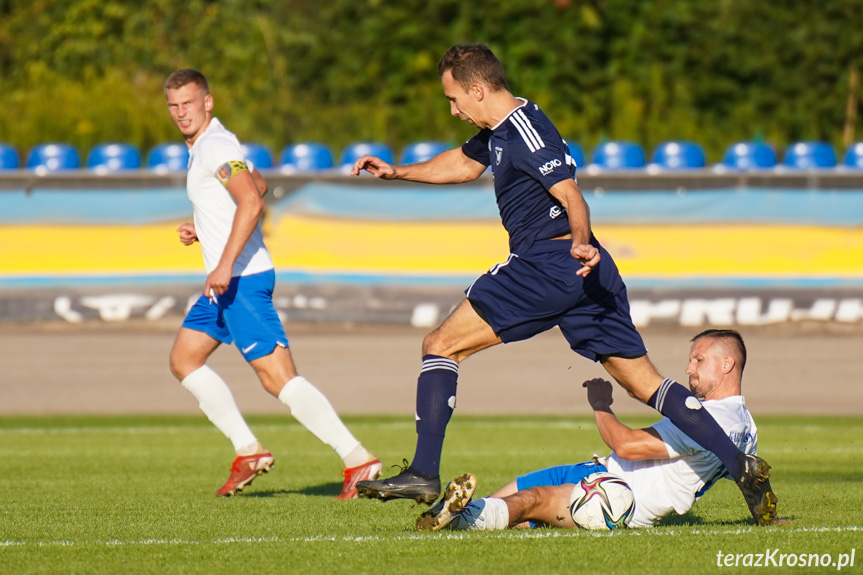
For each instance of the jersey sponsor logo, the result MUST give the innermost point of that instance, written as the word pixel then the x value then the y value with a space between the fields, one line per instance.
pixel 498 154
pixel 554 212
pixel 229 169
pixel 549 166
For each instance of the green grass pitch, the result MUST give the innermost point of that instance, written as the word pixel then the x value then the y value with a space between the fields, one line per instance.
pixel 136 495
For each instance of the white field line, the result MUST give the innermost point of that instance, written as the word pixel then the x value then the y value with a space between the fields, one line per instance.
pixel 505 535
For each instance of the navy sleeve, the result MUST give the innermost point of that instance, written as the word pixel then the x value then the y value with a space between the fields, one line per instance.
pixel 477 147
pixel 543 157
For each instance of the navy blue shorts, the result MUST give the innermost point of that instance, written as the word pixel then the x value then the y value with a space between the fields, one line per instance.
pixel 535 291
pixel 244 315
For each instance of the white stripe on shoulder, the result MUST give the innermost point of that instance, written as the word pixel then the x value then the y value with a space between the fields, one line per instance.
pixel 530 136
pixel 531 144
pixel 531 128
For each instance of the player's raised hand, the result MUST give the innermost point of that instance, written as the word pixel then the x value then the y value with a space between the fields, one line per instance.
pixel 375 166
pixel 188 235
pixel 587 255
pixel 598 393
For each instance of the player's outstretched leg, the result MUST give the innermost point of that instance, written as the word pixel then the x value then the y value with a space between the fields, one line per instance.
pixel 457 495
pixel 753 479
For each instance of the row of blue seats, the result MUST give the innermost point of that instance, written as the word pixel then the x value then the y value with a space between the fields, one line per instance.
pixel 312 156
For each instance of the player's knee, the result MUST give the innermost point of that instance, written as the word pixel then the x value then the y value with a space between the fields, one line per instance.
pixel 180 365
pixel 432 344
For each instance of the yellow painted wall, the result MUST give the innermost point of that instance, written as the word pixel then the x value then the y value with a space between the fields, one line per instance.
pixel 328 245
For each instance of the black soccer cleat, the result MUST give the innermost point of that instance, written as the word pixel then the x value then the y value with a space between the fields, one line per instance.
pixel 753 479
pixel 408 484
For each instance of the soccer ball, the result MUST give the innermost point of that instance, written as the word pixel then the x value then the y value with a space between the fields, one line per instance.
pixel 601 501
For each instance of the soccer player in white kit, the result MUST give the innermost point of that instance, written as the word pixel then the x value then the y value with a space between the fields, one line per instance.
pixel 236 305
pixel 666 470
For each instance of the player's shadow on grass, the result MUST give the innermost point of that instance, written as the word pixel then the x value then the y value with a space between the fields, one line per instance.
pixel 692 520
pixel 324 490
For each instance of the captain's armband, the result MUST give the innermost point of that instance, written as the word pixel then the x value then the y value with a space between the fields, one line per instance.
pixel 229 169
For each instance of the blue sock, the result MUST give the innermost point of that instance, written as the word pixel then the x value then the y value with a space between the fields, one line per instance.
pixel 436 389
pixel 685 411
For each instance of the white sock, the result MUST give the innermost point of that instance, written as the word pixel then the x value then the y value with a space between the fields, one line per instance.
pixel 315 413
pixel 217 403
pixel 486 514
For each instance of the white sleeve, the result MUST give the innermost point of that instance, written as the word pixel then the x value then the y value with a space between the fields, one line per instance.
pixel 217 152
pixel 677 443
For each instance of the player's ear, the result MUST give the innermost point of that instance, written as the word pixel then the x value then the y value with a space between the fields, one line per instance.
pixel 728 364
pixel 477 91
pixel 208 102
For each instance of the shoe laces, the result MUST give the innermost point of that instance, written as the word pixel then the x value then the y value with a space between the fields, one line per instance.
pixel 403 467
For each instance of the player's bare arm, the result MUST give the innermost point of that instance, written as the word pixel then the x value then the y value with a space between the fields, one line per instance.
pixel 628 443
pixel 240 184
pixel 260 182
pixel 450 167
pixel 569 195
pixel 188 235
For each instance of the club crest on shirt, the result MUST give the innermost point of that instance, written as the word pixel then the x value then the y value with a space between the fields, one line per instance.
pixel 498 154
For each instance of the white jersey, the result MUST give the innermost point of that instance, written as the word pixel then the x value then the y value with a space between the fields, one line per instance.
pixel 214 206
pixel 661 486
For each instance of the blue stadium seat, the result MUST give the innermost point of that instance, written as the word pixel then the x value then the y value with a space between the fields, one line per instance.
pixel 306 157
pixel 618 156
pixel 356 150
pixel 9 158
pixel 810 155
pixel 53 157
pixel 419 152
pixel 168 158
pixel 577 154
pixel 678 155
pixel 114 158
pixel 259 155
pixel 749 156
pixel 854 156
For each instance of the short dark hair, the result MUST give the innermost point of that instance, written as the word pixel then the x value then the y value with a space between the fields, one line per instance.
pixel 185 76
pixel 470 63
pixel 727 335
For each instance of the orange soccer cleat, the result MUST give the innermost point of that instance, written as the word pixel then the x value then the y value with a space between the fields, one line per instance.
pixel 244 470
pixel 367 471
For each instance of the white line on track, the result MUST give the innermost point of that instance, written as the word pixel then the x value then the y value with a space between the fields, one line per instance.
pixel 515 534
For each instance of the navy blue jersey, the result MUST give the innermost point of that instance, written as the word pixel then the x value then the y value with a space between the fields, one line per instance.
pixel 527 157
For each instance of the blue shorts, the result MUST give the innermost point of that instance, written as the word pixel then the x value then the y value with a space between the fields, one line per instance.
pixel 535 291
pixel 560 475
pixel 244 315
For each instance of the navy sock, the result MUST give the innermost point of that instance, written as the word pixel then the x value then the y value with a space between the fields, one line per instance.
pixel 436 389
pixel 685 411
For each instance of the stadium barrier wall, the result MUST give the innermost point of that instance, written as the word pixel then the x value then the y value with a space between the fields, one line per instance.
pixel 765 248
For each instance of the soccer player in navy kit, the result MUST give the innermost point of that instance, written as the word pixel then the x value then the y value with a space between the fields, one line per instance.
pixel 556 275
